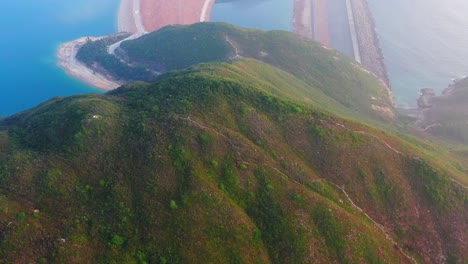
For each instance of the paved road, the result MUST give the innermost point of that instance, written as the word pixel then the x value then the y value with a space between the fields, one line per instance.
pixel 139 25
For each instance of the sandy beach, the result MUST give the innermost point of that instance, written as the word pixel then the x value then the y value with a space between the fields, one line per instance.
pixel 67 60
pixel 66 54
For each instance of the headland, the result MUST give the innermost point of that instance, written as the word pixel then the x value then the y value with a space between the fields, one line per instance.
pixel 66 55
pixel 136 17
pixel 311 20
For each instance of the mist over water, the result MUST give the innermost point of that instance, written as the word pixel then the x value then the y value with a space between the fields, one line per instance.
pixel 424 42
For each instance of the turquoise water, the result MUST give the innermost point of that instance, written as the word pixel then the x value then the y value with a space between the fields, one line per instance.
pixel 424 42
pixel 31 32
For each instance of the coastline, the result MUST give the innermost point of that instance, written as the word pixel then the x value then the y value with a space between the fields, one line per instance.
pixel 66 56
pixel 135 17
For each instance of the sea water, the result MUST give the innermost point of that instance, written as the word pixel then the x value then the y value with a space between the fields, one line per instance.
pixel 425 43
pixel 31 31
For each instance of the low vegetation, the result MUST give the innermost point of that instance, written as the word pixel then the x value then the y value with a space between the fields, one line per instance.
pixel 226 163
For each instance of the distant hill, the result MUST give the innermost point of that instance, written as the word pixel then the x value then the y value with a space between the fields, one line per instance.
pixel 277 157
pixel 318 70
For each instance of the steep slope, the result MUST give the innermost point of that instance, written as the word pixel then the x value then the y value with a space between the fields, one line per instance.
pixel 321 70
pixel 208 166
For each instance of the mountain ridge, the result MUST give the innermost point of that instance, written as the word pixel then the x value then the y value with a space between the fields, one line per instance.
pixel 229 162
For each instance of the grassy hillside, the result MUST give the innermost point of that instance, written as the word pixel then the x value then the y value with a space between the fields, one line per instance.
pixel 217 164
pixel 335 78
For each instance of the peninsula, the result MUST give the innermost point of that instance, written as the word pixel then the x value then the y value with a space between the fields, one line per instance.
pixel 311 20
pixel 136 17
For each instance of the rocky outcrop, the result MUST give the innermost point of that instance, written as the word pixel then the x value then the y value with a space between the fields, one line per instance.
pixel 425 100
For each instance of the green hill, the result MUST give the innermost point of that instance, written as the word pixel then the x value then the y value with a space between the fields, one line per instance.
pixel 300 65
pixel 218 164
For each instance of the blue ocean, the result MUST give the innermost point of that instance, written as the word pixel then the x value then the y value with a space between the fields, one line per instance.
pixel 32 31
pixel 424 42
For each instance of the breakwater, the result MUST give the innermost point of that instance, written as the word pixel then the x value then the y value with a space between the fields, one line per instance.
pixel 356 36
pixel 371 54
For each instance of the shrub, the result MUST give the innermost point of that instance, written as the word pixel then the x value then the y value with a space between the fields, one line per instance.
pixel 214 164
pixel 316 131
pixel 21 216
pixel 173 205
pixel 117 240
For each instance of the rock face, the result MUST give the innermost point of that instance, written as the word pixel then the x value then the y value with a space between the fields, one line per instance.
pixel 425 100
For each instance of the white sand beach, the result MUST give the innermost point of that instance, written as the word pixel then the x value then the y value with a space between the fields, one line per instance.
pixel 66 54
pixel 67 60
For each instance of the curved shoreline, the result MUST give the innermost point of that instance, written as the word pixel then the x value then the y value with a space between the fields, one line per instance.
pixel 136 17
pixel 66 56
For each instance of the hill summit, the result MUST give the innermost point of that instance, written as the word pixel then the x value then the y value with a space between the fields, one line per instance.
pixel 272 158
